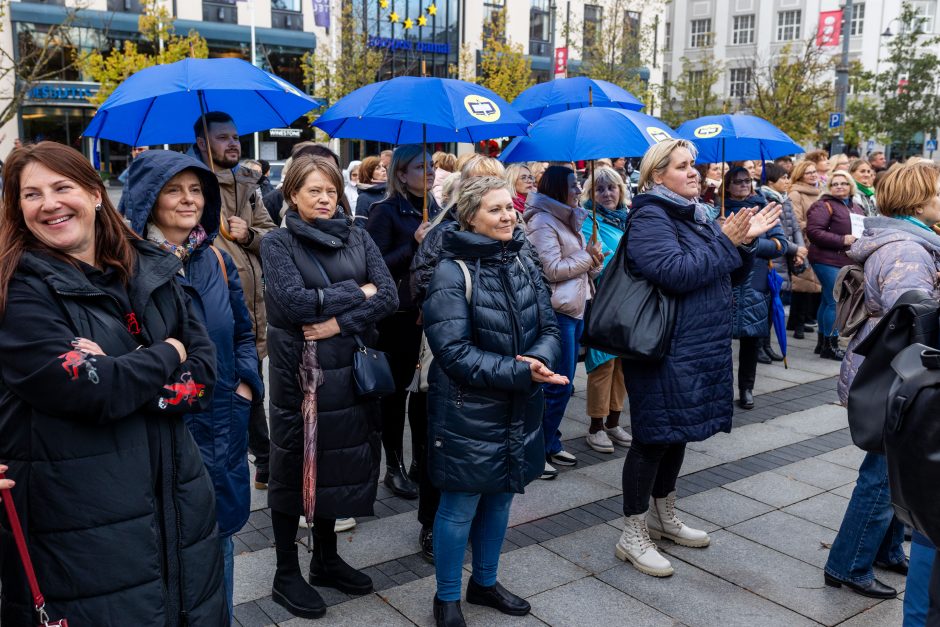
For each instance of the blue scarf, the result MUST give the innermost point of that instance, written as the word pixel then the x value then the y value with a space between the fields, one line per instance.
pixel 616 218
pixel 701 209
pixel 914 221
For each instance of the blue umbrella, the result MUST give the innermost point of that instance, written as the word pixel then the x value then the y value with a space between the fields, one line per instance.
pixel 160 104
pixel 416 109
pixel 777 314
pixel 578 92
pixel 588 133
pixel 736 137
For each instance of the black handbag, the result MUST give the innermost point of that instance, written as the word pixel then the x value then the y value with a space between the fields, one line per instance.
pixel 629 317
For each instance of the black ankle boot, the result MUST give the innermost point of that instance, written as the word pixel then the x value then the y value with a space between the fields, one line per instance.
pixel 746 398
pixel 291 592
pixel 831 350
pixel 762 356
pixel 448 614
pixel 328 569
pixel 497 597
pixel 769 350
pixel 396 479
pixel 413 471
pixel 820 340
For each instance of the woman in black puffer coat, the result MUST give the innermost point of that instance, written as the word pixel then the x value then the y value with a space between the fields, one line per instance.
pixel 490 324
pixel 325 282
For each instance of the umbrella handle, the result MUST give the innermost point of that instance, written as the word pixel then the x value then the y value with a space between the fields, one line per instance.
pixel 223 228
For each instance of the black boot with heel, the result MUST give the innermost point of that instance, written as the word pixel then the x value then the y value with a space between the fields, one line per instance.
pixel 328 569
pixel 291 592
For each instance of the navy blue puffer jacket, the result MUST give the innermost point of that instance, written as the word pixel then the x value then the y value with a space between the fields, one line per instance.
pixel 687 396
pixel 221 432
pixel 484 411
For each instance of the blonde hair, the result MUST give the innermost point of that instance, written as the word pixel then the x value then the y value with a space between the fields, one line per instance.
pixel 444 161
pixel 908 187
pixel 479 165
pixel 657 158
pixel 604 174
pixel 450 190
pixel 537 168
pixel 471 196
pixel 799 171
pixel 835 159
pixel 462 159
pixel 401 159
pixel 513 173
pixel 846 176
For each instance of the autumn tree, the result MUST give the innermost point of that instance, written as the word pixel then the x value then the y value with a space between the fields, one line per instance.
pixel 693 94
pixel 504 66
pixel 159 44
pixel 794 91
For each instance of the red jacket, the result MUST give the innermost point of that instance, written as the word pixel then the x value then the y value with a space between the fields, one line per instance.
pixel 827 224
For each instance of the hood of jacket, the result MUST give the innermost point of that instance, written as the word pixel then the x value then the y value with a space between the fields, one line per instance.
pixel 771 194
pixel 880 231
pixel 537 203
pixel 469 245
pixel 150 172
pixel 372 187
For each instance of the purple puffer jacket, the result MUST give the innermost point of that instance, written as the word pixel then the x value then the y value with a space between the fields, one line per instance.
pixel 898 257
pixel 828 221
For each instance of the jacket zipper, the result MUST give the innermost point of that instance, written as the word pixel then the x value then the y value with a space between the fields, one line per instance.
pixel 184 615
pixel 507 285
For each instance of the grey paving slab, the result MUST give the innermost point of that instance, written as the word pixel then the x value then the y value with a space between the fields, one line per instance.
pixel 792 374
pixel 380 540
pixel 886 613
pixel 747 440
pixel 367 610
pixel 818 472
pixel 845 491
pixel 773 489
pixel 589 601
pixel 780 578
pixel 697 598
pixel 544 498
pixel 535 569
pixel 722 507
pixel 592 549
pixel 816 421
pixel 608 472
pixel 254 573
pixel 824 509
pixel 790 535
pixel 694 461
pixel 848 456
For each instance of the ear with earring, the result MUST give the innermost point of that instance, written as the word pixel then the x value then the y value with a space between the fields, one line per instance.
pixel 98 207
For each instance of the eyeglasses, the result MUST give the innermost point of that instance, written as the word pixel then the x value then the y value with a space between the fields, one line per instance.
pixel 741 182
pixel 526 177
pixel 810 172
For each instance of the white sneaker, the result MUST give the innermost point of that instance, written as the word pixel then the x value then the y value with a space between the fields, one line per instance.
pixel 549 473
pixel 563 458
pixel 619 436
pixel 600 442
pixel 304 523
pixel 344 524
pixel 636 547
pixel 663 523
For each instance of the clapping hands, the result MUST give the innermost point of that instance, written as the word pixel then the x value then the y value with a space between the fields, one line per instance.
pixel 745 225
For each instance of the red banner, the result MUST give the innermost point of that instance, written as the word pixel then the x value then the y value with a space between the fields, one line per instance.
pixel 561 62
pixel 830 28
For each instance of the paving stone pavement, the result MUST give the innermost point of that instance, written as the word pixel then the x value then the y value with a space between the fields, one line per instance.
pixel 771 493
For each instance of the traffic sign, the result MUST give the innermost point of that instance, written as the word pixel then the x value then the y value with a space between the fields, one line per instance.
pixel 930 145
pixel 835 120
pixel 871 145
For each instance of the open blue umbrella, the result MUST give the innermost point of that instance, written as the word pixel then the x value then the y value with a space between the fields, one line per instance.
pixel 588 133
pixel 160 104
pixel 777 314
pixel 416 109
pixel 577 92
pixel 736 137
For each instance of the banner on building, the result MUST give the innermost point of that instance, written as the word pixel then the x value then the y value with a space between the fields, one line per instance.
pixel 830 29
pixel 561 62
pixel 321 13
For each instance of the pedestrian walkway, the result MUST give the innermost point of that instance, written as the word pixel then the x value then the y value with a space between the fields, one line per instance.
pixel 771 494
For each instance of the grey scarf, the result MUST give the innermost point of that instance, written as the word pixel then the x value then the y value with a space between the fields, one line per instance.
pixel 701 209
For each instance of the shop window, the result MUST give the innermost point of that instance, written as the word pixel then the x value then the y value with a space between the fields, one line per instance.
pixel 540 28
pixel 220 11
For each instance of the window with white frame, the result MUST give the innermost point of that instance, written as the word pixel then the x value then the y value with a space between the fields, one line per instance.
pixel 696 79
pixel 788 25
pixel 668 37
pixel 739 84
pixel 742 30
pixel 700 33
pixel 926 11
pixel 858 19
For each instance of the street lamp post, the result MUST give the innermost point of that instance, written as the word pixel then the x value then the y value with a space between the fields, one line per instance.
pixel 250 5
pixel 842 75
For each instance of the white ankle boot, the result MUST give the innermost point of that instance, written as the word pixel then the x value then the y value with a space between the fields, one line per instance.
pixel 663 523
pixel 636 547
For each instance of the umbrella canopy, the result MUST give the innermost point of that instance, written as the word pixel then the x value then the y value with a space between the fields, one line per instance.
pixel 778 317
pixel 736 138
pixel 414 109
pixel 563 94
pixel 160 104
pixel 588 133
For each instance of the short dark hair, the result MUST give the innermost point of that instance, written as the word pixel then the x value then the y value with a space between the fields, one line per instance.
pixel 730 174
pixel 265 167
pixel 786 159
pixel 314 150
pixel 213 117
pixel 554 183
pixel 774 172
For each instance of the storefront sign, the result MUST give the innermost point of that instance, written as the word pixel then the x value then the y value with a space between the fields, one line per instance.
pixel 321 13
pixel 284 132
pixel 63 92
pixel 404 44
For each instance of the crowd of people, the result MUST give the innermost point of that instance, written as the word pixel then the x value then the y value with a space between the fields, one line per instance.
pixel 132 341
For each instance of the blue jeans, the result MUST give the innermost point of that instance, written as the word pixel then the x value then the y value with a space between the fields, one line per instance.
pixel 482 517
pixel 869 530
pixel 228 565
pixel 826 316
pixel 557 396
pixel 916 591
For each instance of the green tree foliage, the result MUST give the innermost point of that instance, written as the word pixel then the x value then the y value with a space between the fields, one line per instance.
pixel 693 94
pixel 504 66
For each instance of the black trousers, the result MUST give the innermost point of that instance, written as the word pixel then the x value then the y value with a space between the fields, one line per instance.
pixel 933 614
pixel 649 470
pixel 429 497
pixel 747 362
pixel 400 340
pixel 259 443
pixel 285 528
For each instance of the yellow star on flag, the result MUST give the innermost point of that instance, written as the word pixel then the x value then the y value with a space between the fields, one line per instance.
pixel 422 21
pixel 383 4
pixel 432 9
pixel 409 23
pixel 393 17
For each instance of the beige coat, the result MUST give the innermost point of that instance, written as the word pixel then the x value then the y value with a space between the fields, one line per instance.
pixel 803 195
pixel 236 201
pixel 554 230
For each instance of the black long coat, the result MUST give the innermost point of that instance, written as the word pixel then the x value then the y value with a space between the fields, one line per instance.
pixel 484 411
pixel 116 503
pixel 296 293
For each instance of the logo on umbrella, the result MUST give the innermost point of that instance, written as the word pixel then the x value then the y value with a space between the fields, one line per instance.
pixel 658 134
pixel 482 108
pixel 709 130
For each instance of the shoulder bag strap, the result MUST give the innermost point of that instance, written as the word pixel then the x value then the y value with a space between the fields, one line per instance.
pixel 218 256
pixel 468 282
pixel 39 602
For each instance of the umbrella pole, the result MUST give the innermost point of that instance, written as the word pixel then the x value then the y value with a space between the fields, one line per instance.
pixel 722 177
pixel 424 156
pixel 593 207
pixel 223 223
